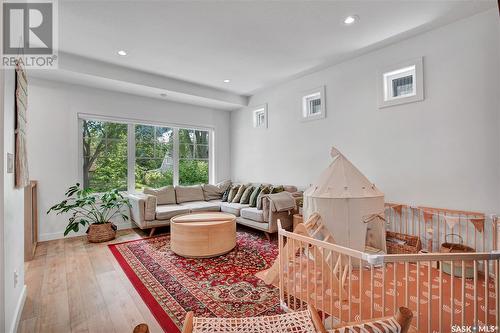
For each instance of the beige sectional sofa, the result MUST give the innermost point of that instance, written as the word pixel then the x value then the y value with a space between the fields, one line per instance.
pixel 155 208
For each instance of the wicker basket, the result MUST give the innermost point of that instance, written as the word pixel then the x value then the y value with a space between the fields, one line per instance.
pixel 412 243
pixel 104 232
pixel 449 247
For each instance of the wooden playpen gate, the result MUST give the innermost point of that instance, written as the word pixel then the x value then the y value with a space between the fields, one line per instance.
pixel 443 290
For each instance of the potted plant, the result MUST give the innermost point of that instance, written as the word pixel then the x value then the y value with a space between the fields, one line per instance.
pixel 94 210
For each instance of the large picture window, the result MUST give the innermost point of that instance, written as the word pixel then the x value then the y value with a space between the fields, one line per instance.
pixel 193 157
pixel 130 156
pixel 104 155
pixel 154 156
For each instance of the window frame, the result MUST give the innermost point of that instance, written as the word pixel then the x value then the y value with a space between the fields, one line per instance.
pixel 131 158
pixel 306 98
pixel 260 109
pixel 385 77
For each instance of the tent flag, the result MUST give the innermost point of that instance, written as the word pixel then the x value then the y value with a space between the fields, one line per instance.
pixel 451 221
pixel 478 223
pixel 428 216
pixel 398 209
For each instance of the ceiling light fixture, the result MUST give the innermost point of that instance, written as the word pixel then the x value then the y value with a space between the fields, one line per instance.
pixel 227 81
pixel 351 19
pixel 122 53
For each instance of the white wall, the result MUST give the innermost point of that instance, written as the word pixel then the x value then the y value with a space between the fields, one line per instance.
pixel 13 240
pixel 442 152
pixel 53 135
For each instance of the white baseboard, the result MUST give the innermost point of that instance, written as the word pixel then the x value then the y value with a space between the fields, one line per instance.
pixel 19 311
pixel 60 234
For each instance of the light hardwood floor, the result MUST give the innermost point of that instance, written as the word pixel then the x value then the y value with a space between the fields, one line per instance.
pixel 75 286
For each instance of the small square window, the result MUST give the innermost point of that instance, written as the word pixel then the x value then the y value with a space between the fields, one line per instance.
pixel 313 104
pixel 402 84
pixel 260 116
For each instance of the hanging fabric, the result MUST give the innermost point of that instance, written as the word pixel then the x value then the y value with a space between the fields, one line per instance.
pixel 451 221
pixel 428 216
pixel 478 223
pixel 398 209
pixel 21 158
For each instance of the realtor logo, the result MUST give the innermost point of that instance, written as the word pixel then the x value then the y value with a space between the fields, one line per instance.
pixel 29 34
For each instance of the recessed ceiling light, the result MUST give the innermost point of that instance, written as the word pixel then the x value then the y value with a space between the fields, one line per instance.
pixel 227 81
pixel 122 52
pixel 351 19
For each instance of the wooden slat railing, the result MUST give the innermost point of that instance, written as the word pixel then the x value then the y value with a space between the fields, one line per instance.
pixel 433 232
pixel 441 289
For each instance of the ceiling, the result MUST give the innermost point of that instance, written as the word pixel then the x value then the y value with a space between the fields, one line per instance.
pixel 255 44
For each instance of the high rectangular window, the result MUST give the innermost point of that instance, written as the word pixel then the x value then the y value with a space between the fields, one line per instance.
pixel 313 104
pixel 130 156
pixel 402 83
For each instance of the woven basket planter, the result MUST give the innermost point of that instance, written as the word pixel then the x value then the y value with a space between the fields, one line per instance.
pixel 98 233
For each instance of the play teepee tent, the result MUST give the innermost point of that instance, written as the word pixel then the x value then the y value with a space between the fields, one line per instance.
pixel 350 206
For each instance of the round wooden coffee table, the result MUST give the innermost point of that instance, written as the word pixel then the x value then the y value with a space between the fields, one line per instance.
pixel 202 235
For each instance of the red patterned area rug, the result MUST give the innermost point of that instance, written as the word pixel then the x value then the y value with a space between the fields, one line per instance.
pixel 224 286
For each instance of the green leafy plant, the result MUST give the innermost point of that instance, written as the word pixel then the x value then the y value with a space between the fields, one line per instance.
pixel 88 208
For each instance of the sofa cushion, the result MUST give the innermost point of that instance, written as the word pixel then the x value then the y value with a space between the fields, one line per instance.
pixel 290 188
pixel 232 208
pixel 164 195
pixel 211 192
pixel 253 196
pixel 189 193
pixel 245 197
pixel 264 226
pixel 232 192
pixel 238 195
pixel 166 212
pixel 201 206
pixel 252 213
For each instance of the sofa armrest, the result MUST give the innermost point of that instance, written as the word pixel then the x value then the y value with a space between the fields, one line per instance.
pixel 142 208
pixel 272 217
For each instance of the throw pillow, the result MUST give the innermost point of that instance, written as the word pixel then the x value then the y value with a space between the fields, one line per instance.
pixel 264 191
pixel 189 193
pixel 253 196
pixel 164 195
pixel 245 197
pixel 238 195
pixel 226 194
pixel 212 192
pixel 232 193
pixel 277 189
pixel 223 185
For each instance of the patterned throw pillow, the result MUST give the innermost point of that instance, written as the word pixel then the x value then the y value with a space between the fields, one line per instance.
pixel 277 189
pixel 245 197
pixel 238 195
pixel 253 196
pixel 226 194
pixel 224 185
pixel 232 193
pixel 264 191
